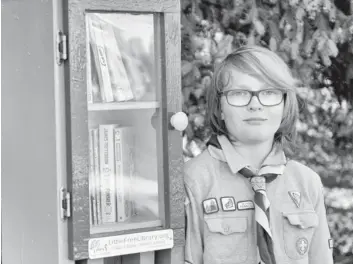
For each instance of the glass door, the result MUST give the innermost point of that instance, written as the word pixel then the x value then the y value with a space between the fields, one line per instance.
pixel 124 98
pixel 124 161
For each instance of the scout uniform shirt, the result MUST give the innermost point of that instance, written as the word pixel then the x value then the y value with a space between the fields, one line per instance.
pixel 221 228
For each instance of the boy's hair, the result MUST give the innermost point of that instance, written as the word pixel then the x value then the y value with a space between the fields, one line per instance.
pixel 267 66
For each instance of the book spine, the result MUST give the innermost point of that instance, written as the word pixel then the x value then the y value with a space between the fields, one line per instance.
pixel 132 174
pixel 137 86
pixel 92 183
pixel 89 68
pixel 120 177
pixel 89 84
pixel 119 79
pixel 101 60
pixel 96 93
pixel 107 173
pixel 97 174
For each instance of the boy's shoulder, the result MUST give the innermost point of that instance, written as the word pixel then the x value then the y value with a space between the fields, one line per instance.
pixel 199 162
pixel 303 173
pixel 199 166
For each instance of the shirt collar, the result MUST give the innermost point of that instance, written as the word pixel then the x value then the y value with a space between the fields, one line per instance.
pixel 222 149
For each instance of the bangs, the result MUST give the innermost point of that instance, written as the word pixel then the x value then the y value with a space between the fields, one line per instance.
pixel 265 67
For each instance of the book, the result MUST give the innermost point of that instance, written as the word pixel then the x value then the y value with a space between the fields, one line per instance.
pixel 100 57
pixel 107 173
pixel 89 68
pixel 92 182
pixel 119 80
pixel 94 80
pixel 124 169
pixel 136 79
pixel 96 170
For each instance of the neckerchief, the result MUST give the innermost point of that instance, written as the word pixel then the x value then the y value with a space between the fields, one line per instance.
pixel 220 148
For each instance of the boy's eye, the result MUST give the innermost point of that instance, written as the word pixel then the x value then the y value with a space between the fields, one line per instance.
pixel 270 92
pixel 239 93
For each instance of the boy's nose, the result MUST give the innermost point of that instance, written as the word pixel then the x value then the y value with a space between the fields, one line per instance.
pixel 255 104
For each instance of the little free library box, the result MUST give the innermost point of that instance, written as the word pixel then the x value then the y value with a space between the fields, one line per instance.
pixel 115 98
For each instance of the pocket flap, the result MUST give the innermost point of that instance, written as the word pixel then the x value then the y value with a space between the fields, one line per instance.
pixel 227 225
pixel 304 219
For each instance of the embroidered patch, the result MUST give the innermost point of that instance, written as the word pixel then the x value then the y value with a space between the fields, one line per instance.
pixel 302 245
pixel 210 206
pixel 330 243
pixel 296 197
pixel 246 205
pixel 228 203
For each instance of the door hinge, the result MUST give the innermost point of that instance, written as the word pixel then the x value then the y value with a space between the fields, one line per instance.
pixel 65 206
pixel 61 48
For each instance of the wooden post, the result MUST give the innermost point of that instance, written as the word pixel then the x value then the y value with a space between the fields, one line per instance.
pixel 139 258
pixel 170 256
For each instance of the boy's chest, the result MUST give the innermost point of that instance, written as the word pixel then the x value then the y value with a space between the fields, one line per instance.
pixel 230 225
pixel 232 194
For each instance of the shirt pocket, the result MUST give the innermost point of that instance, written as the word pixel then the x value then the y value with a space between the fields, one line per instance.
pixel 226 239
pixel 298 230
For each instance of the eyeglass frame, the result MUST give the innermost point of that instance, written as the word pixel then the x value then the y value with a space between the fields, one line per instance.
pixel 253 93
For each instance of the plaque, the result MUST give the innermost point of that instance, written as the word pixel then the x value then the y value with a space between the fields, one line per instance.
pixel 129 244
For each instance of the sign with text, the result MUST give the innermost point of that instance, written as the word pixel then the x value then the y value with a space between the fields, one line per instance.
pixel 129 244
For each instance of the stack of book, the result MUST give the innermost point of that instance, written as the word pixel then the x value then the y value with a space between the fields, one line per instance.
pixel 111 174
pixel 113 72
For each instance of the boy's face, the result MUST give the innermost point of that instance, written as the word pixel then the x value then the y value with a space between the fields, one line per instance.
pixel 253 123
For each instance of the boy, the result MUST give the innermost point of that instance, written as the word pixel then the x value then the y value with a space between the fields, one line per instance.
pixel 266 209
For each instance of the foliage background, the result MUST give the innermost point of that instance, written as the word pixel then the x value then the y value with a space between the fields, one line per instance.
pixel 315 38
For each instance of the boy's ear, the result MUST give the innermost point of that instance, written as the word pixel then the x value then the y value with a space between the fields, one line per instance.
pixel 222 116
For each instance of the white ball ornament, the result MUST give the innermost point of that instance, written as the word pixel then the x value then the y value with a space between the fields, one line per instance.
pixel 179 121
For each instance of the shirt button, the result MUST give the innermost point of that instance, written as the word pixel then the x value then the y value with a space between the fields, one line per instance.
pixel 226 228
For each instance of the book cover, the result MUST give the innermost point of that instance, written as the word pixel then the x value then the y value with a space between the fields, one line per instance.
pixel 100 57
pixel 92 182
pixel 119 80
pixel 124 167
pixel 96 169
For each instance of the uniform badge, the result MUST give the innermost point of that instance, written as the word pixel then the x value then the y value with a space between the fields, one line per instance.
pixel 210 206
pixel 296 197
pixel 330 243
pixel 228 203
pixel 302 245
pixel 246 205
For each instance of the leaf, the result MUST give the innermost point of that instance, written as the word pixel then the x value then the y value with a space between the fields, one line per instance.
pixel 186 67
pixel 332 48
pixel 259 27
pixel 273 44
pixel 294 50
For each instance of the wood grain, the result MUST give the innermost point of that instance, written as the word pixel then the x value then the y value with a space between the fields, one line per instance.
pixel 174 102
pixel 174 255
pixel 78 135
pixel 129 5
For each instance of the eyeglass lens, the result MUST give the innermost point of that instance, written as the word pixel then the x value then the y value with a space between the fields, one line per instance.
pixel 266 97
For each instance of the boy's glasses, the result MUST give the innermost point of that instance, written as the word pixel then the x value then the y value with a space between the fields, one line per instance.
pixel 268 97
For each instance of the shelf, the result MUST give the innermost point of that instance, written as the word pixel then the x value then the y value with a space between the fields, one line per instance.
pixel 130 105
pixel 116 227
pixel 144 220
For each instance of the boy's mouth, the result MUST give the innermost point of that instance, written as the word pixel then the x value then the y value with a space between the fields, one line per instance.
pixel 255 119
